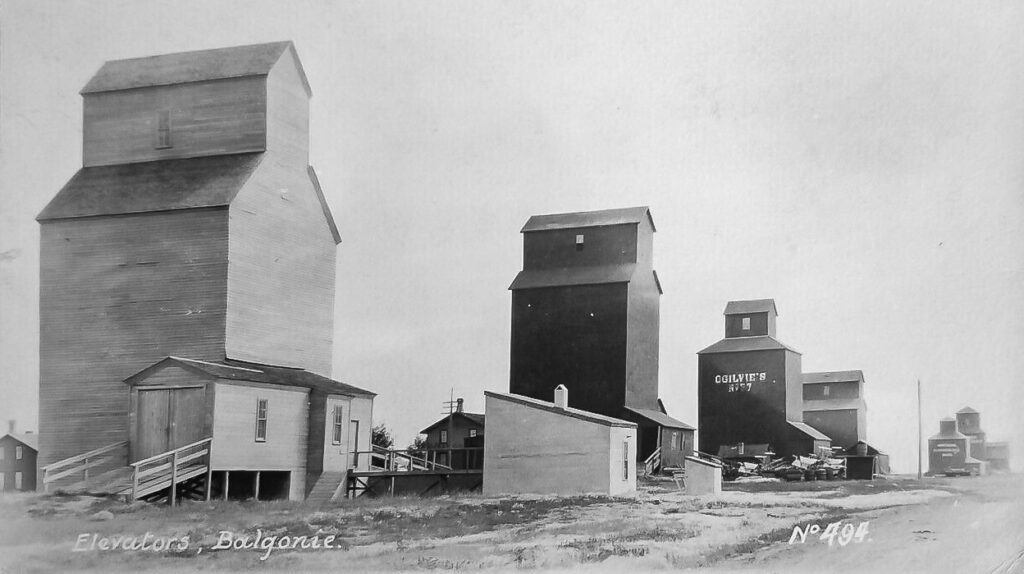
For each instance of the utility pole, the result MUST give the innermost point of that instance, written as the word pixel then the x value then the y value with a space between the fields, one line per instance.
pixel 919 429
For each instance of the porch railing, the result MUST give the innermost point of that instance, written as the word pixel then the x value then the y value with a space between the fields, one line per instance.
pixel 82 463
pixel 168 469
pixel 653 463
pixel 424 459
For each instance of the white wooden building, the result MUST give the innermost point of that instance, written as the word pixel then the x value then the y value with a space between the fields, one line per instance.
pixel 539 447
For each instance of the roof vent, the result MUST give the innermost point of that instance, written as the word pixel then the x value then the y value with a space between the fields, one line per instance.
pixel 561 397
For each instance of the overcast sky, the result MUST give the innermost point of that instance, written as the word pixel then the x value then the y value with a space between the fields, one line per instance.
pixel 861 163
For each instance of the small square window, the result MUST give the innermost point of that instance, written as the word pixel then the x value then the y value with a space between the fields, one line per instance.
pixel 824 390
pixel 746 323
pixel 444 437
pixel 579 242
pixel 18 452
pixel 472 433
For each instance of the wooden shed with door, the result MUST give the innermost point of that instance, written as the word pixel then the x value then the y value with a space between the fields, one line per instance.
pixel 278 432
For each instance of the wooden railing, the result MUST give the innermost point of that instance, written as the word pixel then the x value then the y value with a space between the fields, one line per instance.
pixel 82 463
pixel 168 469
pixel 424 459
pixel 653 462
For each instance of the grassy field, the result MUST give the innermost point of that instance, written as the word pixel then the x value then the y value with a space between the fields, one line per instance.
pixel 658 528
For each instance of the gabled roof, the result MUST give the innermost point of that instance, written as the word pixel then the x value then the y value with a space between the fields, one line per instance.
pixel 211 181
pixel 196 66
pixel 967 411
pixel 809 430
pixel 568 411
pixel 740 344
pixel 833 377
pixel 474 418
pixel 750 306
pixel 565 276
pixel 31 440
pixel 255 373
pixel 872 451
pixel 660 418
pixel 577 219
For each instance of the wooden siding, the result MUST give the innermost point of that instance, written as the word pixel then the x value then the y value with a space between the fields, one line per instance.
pixel 117 294
pixel 9 464
pixel 336 456
pixel 642 339
pixel 530 450
pixel 362 412
pixel 234 428
pixel 288 113
pixel 207 118
pixel 281 272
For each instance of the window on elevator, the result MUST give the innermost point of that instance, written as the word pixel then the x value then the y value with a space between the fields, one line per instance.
pixel 261 420
pixel 746 323
pixel 163 129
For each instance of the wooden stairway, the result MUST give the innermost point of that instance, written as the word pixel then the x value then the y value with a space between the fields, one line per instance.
pixel 330 486
pixel 187 468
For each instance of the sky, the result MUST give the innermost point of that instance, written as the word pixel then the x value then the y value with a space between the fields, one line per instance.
pixel 860 163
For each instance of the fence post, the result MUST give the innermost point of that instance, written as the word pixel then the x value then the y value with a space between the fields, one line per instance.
pixel 209 470
pixel 174 477
pixel 135 482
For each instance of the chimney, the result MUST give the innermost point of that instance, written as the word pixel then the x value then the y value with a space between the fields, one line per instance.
pixel 10 426
pixel 458 405
pixel 561 397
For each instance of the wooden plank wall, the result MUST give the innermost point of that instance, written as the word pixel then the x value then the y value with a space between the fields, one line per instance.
pixel 234 431
pixel 281 272
pixel 207 118
pixel 118 294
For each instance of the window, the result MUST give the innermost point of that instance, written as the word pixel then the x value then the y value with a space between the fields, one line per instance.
pixel 3 452
pixel 3 481
pixel 444 437
pixel 261 420
pixel 579 243
pixel 17 481
pixel 824 390
pixel 625 460
pixel 19 452
pixel 675 440
pixel 339 421
pixel 746 323
pixel 163 129
pixel 472 433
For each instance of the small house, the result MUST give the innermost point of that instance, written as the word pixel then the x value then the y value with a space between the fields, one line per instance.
pixel 462 434
pixel 540 447
pixel 18 461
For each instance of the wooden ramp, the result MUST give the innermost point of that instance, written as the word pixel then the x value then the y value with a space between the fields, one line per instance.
pixel 330 486
pixel 186 468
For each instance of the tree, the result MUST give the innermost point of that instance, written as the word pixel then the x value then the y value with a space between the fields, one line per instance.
pixel 381 436
pixel 417 446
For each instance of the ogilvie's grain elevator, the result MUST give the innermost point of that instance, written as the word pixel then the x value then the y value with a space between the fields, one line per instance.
pixel 585 314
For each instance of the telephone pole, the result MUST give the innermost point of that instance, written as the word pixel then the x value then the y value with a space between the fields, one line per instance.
pixel 919 430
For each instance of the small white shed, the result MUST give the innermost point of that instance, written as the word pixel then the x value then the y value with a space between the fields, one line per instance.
pixel 537 447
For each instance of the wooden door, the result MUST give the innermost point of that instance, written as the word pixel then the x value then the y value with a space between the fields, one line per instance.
pixel 169 419
pixel 153 412
pixel 188 416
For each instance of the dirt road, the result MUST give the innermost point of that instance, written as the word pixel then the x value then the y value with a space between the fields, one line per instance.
pixel 979 529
